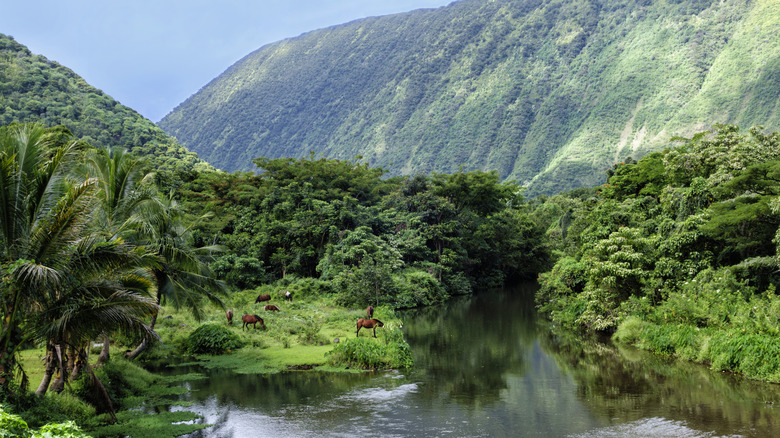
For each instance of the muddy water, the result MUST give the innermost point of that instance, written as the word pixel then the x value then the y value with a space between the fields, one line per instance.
pixel 486 366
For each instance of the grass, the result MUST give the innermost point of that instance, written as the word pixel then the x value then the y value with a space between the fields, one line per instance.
pixel 298 337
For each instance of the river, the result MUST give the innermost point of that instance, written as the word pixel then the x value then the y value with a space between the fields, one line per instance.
pixel 486 366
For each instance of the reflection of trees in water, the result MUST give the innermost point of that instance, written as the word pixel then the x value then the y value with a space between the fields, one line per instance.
pixel 630 385
pixel 273 391
pixel 469 345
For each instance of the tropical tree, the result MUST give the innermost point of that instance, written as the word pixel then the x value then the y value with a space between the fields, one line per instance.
pixel 98 295
pixel 182 277
pixel 123 187
pixel 59 281
pixel 41 216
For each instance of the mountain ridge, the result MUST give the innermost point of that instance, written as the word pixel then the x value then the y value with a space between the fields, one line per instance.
pixel 546 93
pixel 36 89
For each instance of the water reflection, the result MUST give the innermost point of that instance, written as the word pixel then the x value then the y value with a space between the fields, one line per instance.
pixel 486 366
pixel 628 385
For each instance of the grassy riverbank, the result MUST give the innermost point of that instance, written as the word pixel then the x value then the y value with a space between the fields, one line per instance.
pixel 311 332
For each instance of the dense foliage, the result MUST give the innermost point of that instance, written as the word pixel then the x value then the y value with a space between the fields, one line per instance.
pixel 404 241
pixel 85 236
pixel 547 93
pixel 90 249
pixel 212 339
pixel 677 252
pixel 35 89
pixel 13 426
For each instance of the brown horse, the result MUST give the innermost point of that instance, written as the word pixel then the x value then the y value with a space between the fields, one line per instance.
pixel 271 307
pixel 252 319
pixel 263 297
pixel 369 312
pixel 229 315
pixel 369 324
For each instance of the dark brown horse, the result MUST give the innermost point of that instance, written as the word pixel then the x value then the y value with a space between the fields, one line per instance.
pixel 263 297
pixel 369 312
pixel 252 319
pixel 369 324
pixel 271 307
pixel 229 315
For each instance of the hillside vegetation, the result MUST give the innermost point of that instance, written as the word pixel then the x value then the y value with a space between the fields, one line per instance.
pixel 35 89
pixel 677 253
pixel 549 94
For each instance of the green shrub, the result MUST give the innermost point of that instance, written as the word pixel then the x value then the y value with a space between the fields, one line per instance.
pixel 630 331
pixel 14 426
pixel 372 353
pixel 68 429
pixel 310 331
pixel 417 288
pixel 756 356
pixel 212 339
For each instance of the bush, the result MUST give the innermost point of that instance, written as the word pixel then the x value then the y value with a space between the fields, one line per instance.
pixel 756 356
pixel 310 332
pixel 14 426
pixel 371 353
pixel 212 339
pixel 417 288
pixel 630 330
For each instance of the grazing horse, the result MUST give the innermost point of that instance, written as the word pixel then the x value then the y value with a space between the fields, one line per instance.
pixel 271 307
pixel 252 319
pixel 288 295
pixel 369 312
pixel 369 324
pixel 229 315
pixel 263 297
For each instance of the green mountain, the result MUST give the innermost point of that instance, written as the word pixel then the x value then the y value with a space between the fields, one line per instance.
pixel 548 93
pixel 35 89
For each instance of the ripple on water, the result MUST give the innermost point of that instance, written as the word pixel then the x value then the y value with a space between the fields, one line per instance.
pixel 648 427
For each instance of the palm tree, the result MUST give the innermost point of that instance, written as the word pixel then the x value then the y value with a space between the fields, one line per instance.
pixel 123 187
pixel 183 278
pixel 98 295
pixel 41 214
pixel 48 255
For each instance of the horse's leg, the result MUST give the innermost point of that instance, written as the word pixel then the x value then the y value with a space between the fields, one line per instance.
pixel 358 331
pixel 374 331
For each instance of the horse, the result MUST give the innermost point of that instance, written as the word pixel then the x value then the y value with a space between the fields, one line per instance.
pixel 229 315
pixel 288 295
pixel 369 312
pixel 369 324
pixel 271 307
pixel 252 319
pixel 263 297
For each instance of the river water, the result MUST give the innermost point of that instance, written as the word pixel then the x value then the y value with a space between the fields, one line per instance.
pixel 486 366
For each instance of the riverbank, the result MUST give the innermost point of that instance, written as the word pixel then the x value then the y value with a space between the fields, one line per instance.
pixel 307 333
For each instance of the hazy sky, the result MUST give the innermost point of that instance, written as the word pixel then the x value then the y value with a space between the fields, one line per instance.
pixel 151 55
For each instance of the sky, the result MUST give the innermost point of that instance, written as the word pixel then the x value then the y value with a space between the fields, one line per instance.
pixel 151 55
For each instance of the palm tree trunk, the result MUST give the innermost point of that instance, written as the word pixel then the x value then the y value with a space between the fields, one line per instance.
pixel 8 344
pixel 70 364
pixel 105 353
pixel 82 358
pixel 48 373
pixel 59 382
pixel 103 392
pixel 145 343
